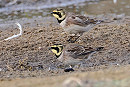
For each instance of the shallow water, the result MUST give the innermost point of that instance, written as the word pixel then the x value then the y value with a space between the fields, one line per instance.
pixel 43 9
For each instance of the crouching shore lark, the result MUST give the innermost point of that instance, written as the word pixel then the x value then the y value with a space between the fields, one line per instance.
pixel 74 24
pixel 73 54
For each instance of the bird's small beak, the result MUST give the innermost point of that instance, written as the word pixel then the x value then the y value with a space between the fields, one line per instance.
pixel 51 12
pixel 49 48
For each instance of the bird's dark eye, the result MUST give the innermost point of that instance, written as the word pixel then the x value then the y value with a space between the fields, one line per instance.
pixel 73 17
pixel 58 13
pixel 55 48
pixel 54 12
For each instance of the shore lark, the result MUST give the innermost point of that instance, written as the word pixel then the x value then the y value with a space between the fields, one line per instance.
pixel 74 24
pixel 73 54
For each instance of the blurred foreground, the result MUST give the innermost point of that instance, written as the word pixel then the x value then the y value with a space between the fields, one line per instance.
pixel 111 77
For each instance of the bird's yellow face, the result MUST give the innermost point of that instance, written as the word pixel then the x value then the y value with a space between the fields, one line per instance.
pixel 57 49
pixel 59 14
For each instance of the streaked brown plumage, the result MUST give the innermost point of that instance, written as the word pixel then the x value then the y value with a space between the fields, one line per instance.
pixel 74 24
pixel 73 54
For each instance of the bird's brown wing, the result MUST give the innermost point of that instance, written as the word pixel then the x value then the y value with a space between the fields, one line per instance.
pixel 87 20
pixel 78 51
pixel 79 20
pixel 89 51
pixel 75 20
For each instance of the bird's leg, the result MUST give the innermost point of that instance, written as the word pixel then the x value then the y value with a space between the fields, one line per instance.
pixel 74 38
pixel 71 37
pixel 77 36
pixel 79 65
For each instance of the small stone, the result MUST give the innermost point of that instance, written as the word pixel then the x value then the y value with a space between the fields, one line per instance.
pixel 0 69
pixel 69 70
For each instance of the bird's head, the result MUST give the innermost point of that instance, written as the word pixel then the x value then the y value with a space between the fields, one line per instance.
pixel 57 49
pixel 59 13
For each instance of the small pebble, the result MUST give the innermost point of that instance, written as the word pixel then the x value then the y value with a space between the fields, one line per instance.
pixel 69 70
pixel 0 69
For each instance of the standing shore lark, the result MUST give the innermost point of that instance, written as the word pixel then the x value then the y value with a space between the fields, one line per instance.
pixel 74 24
pixel 73 54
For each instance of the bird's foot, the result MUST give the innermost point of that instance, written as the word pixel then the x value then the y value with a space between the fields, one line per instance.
pixel 73 39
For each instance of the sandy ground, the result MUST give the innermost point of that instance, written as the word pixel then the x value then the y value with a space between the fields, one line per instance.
pixel 112 77
pixel 27 60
